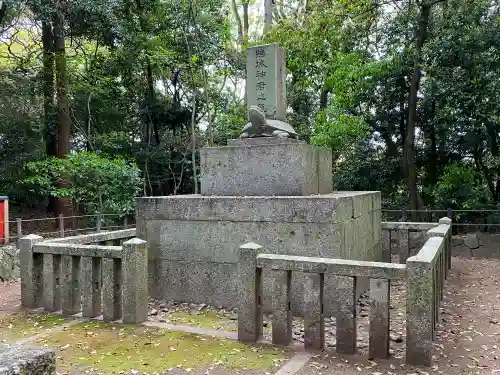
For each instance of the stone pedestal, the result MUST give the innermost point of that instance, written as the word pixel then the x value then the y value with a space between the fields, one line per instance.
pixel 274 192
pixel 266 167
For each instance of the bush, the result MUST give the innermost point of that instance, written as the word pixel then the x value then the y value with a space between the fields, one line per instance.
pixel 97 184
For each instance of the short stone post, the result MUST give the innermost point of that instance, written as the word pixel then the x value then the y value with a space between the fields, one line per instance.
pixel 112 289
pixel 386 245
pixel 249 293
pixel 61 225
pixel 71 284
pixel 135 281
pixel 447 221
pixel 92 284
pixel 31 267
pixel 404 245
pixel 379 317
pixel 314 326
pixel 51 282
pixel 419 313
pixel 282 314
pixel 346 316
pixel 98 222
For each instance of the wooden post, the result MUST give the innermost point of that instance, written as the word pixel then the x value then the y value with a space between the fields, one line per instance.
pixel 19 231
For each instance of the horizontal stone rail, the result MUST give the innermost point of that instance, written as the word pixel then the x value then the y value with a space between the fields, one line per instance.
pixel 341 267
pixel 100 237
pixel 424 274
pixel 107 277
pixel 401 232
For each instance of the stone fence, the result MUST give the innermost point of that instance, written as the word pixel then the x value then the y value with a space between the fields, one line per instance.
pixel 423 273
pixel 96 274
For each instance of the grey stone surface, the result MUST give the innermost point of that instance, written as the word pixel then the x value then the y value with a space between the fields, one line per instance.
pixel 325 167
pixel 419 312
pixel 249 293
pixel 100 251
pixel 471 241
pixel 266 85
pixel 9 263
pixel 51 282
pixel 111 289
pixel 328 208
pixel 386 245
pixel 91 287
pixel 282 313
pixel 346 316
pixel 31 272
pixel 135 281
pixel 314 325
pixel 26 361
pixel 71 284
pixel 267 170
pixel 379 318
pixel 96 237
pixel 341 267
pixel 404 245
pixel 397 225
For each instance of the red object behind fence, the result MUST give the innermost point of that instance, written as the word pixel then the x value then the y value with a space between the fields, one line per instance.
pixel 4 219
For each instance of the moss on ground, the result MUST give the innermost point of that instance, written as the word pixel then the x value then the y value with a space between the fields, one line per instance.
pixel 203 319
pixel 113 348
pixel 25 324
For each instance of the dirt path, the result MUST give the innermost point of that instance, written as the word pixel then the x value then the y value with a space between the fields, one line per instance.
pixel 10 297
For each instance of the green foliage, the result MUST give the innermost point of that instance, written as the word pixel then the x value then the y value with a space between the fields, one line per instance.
pixel 97 184
pixel 339 131
pixel 459 187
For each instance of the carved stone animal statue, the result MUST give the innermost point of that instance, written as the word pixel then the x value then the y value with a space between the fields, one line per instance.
pixel 259 126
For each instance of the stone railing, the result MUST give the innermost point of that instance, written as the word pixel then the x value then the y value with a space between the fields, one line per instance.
pixel 400 232
pixel 87 273
pixel 423 273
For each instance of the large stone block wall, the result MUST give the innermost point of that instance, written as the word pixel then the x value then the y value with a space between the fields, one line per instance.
pixel 193 240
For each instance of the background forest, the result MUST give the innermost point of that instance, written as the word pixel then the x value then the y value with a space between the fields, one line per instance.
pixel 104 100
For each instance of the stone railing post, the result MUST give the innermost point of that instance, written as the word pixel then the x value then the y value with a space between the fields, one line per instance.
pixel 314 326
pixel 419 312
pixel 135 281
pixel 447 251
pixel 386 245
pixel 404 245
pixel 250 293
pixel 31 266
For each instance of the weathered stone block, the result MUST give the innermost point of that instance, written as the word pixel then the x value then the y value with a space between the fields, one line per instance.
pixel 135 281
pixel 71 284
pixel 287 169
pixel 250 292
pixel 18 360
pixel 31 272
pixel 314 329
pixel 419 313
pixel 112 289
pixel 282 314
pixel 379 318
pixel 91 287
pixel 51 282
pixel 346 316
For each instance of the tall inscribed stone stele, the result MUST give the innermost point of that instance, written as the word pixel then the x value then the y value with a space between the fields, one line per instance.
pixel 266 74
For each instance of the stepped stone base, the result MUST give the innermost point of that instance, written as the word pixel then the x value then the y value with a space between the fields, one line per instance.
pixel 193 240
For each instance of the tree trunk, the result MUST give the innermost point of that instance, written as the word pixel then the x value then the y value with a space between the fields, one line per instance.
pixel 151 118
pixel 409 157
pixel 268 15
pixel 63 122
pixel 3 10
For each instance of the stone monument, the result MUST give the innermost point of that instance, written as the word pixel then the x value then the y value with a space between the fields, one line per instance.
pixel 266 187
